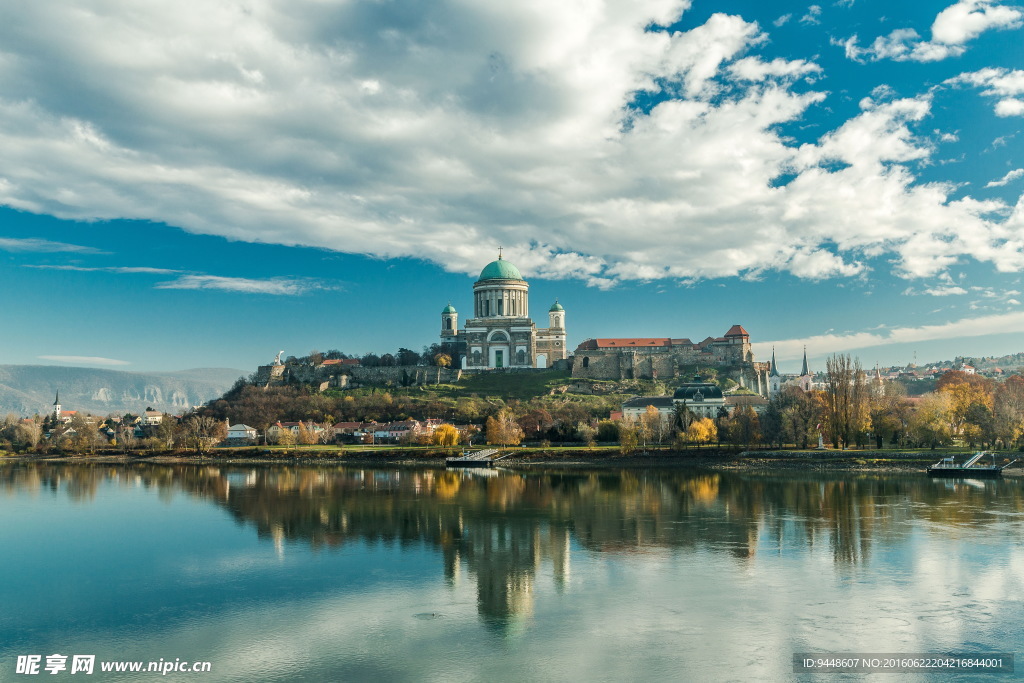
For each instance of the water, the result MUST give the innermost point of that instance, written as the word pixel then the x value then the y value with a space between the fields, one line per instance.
pixel 332 573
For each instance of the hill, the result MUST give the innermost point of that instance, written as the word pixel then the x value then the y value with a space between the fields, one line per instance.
pixel 29 389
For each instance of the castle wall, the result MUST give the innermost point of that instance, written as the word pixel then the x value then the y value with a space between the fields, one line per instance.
pixel 355 375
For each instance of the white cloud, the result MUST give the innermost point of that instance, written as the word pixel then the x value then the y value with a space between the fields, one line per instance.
pixel 31 244
pixel 127 270
pixel 1006 179
pixel 841 343
pixel 945 291
pixel 782 21
pixel 952 29
pixel 457 127
pixel 275 286
pixel 1004 84
pixel 85 360
pixel 813 15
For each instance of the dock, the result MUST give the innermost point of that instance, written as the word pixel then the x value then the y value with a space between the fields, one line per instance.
pixel 484 458
pixel 947 467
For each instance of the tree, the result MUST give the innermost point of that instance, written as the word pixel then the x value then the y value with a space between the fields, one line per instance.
pixel 628 438
pixel 888 411
pixel 932 422
pixel 649 426
pixel 28 433
pixel 202 432
pixel 701 431
pixel 407 357
pixel 1007 422
pixel 446 436
pixel 442 361
pixel 846 407
pixel 502 429
pixel 307 435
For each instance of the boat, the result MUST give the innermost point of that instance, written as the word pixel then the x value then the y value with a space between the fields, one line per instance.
pixel 947 467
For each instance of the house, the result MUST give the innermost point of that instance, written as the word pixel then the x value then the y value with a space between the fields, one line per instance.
pixel 151 418
pixel 241 434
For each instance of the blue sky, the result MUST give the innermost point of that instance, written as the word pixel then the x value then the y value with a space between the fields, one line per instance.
pixel 203 188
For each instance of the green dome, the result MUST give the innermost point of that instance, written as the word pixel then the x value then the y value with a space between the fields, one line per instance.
pixel 556 307
pixel 500 270
pixel 449 309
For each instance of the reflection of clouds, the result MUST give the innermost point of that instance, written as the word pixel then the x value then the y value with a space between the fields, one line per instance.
pixel 246 562
pixel 665 575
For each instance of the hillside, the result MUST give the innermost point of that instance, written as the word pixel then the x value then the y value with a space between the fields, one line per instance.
pixel 29 389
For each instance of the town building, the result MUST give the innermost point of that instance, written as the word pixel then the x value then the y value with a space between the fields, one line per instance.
pixel 501 334
pixel 703 399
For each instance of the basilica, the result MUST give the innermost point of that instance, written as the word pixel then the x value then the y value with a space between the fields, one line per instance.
pixel 501 333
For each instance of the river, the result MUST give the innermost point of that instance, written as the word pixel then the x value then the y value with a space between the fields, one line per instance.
pixel 283 573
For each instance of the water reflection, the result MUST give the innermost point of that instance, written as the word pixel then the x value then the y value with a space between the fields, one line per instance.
pixel 499 529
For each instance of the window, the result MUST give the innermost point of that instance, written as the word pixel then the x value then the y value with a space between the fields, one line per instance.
pixel 501 307
pixel 447 323
pixel 586 362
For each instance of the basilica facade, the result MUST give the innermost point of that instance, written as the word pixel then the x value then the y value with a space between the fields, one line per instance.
pixel 501 333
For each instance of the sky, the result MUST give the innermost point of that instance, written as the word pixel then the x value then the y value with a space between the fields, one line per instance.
pixel 202 184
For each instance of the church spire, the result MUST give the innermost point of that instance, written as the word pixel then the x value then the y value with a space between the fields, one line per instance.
pixel 804 372
pixel 56 401
pixel 775 368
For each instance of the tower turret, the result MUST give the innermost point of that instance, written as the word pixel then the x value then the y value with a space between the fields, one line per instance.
pixel 449 322
pixel 56 406
pixel 556 316
pixel 805 374
pixel 774 378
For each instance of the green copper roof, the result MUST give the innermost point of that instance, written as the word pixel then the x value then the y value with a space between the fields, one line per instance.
pixel 556 307
pixel 449 309
pixel 500 270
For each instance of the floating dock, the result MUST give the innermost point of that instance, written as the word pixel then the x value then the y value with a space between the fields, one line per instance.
pixel 484 458
pixel 947 467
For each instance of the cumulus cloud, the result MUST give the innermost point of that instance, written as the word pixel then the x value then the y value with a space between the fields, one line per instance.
pixel 1006 179
pixel 85 360
pixel 274 286
pixel 445 130
pixel 1006 85
pixel 952 29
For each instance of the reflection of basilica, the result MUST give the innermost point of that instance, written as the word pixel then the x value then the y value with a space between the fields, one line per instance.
pixel 504 531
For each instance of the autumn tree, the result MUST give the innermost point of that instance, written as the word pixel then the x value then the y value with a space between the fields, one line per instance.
pixel 701 431
pixel 446 436
pixel 1007 423
pixel 628 436
pixel 442 361
pixel 932 422
pixel 888 411
pixel 502 429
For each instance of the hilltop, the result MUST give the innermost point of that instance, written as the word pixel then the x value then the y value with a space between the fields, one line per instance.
pixel 30 389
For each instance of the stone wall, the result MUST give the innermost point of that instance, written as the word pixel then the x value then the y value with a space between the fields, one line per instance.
pixel 665 364
pixel 352 376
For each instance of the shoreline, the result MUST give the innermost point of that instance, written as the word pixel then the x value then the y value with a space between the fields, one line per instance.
pixel 751 461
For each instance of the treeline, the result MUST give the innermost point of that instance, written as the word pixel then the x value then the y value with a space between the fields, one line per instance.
pixel 855 409
pixel 434 354
pixel 549 417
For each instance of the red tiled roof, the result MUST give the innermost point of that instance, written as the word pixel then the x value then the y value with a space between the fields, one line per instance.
pixel 626 342
pixel 737 331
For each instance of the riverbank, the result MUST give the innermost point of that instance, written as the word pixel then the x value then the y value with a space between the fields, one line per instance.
pixel 709 459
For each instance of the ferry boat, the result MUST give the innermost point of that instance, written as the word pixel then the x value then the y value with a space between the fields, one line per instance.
pixel 947 467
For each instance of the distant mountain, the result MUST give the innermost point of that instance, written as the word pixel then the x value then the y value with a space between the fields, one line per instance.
pixel 30 389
